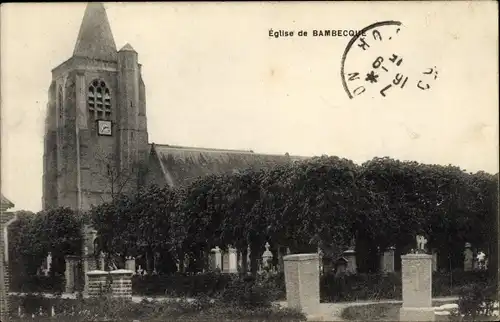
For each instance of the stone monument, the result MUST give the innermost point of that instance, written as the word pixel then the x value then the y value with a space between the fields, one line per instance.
pixel 215 258
pixel 388 260
pixel 416 272
pixel 468 258
pixel 267 257
pixel 302 283
pixel 233 260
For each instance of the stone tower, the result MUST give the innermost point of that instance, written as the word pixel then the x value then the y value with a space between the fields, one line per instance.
pixel 96 139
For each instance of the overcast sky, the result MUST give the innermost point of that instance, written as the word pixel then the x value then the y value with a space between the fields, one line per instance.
pixel 214 78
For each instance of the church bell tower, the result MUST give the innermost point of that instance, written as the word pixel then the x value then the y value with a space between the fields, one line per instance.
pixel 96 139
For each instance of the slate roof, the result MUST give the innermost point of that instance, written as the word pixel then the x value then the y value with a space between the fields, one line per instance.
pixel 181 165
pixel 6 203
pixel 95 39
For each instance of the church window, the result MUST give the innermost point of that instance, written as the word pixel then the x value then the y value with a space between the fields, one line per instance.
pixel 99 100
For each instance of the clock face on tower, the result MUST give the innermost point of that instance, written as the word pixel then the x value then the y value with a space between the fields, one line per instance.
pixel 104 127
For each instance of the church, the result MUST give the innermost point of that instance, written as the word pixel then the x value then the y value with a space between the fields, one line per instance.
pixel 96 132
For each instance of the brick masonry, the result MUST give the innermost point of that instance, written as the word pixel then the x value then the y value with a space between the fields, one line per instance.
pixel 121 282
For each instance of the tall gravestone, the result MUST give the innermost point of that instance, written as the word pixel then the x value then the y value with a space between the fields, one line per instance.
pixel 216 258
pixel 416 272
pixel 468 258
pixel 388 260
pixel 232 260
pixel 350 256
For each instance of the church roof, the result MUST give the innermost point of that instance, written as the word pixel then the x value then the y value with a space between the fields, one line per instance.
pixel 95 39
pixel 181 165
pixel 6 203
pixel 127 47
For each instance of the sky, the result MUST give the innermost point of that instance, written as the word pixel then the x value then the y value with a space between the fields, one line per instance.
pixel 214 78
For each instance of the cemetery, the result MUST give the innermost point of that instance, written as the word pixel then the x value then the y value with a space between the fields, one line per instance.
pixel 321 239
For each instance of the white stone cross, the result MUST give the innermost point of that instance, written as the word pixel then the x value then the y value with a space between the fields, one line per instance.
pixel 421 242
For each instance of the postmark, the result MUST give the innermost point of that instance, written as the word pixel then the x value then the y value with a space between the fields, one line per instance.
pixel 374 63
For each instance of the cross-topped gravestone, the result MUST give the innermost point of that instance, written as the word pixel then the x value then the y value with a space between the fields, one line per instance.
pixel 421 242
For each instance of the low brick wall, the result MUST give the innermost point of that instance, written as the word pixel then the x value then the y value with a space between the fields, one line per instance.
pixel 121 282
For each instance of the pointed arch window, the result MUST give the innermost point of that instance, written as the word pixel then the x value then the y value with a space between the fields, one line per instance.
pixel 99 100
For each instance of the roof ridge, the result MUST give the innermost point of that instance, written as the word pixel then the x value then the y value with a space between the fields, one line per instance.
pixel 192 148
pixel 200 148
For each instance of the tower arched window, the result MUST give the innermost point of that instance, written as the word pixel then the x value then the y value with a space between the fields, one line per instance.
pixel 99 100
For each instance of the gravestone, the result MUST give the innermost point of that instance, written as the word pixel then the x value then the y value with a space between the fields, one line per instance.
pixel 225 262
pixel 233 260
pixel 130 264
pixel 350 256
pixel 434 261
pixel 267 256
pixel 215 258
pixel 302 283
pixel 468 258
pixel 388 260
pixel 416 272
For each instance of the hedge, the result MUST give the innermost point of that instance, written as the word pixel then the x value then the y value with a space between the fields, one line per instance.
pixel 332 289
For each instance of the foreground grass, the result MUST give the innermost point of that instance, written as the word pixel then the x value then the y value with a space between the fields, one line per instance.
pixel 376 312
pixel 110 309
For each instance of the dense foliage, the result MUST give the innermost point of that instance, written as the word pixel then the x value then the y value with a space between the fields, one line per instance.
pixel 32 237
pixel 325 201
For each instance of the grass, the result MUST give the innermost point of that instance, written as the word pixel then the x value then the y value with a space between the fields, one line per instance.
pixel 110 309
pixel 376 312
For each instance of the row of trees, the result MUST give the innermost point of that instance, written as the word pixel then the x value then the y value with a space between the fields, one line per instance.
pixel 324 201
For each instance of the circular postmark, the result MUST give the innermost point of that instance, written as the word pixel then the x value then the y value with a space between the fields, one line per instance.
pixel 373 62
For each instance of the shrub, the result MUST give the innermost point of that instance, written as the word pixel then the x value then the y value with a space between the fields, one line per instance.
pixel 35 284
pixel 106 308
pixel 449 283
pixel 246 293
pixel 477 300
pixel 274 283
pixel 181 285
pixel 360 287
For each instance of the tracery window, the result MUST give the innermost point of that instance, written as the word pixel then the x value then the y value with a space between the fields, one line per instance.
pixel 99 100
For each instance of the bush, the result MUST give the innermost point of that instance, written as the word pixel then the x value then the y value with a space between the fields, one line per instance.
pixel 332 289
pixel 477 300
pixel 274 283
pixel 37 284
pixel 450 283
pixel 247 293
pixel 182 285
pixel 360 287
pixel 106 308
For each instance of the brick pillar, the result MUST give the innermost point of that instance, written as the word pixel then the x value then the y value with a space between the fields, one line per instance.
pixel 122 283
pixel 96 281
